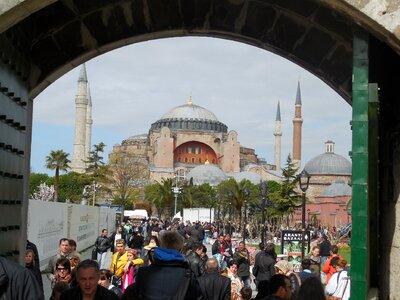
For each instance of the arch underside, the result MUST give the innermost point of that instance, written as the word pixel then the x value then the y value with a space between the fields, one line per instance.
pixel 67 33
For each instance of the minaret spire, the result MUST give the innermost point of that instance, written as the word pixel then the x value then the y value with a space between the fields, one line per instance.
pixel 278 137
pixel 89 122
pixel 190 101
pixel 81 105
pixel 297 129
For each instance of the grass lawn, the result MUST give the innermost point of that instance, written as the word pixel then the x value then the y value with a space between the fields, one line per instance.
pixel 345 253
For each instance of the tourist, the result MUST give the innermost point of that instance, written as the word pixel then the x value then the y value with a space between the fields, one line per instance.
pixel 169 276
pixel 63 251
pixel 194 259
pixel 236 283
pixel 282 267
pixel 105 281
pixel 17 282
pixel 311 289
pixel 130 268
pixel 30 265
pixel 213 285
pixel 315 260
pixel 102 245
pixel 327 268
pixel 264 266
pixel 339 284
pixel 280 288
pixel 242 259
pixel 117 235
pixel 63 271
pixel 88 275
pixel 305 270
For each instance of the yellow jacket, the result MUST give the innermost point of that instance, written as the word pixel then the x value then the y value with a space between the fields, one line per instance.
pixel 120 264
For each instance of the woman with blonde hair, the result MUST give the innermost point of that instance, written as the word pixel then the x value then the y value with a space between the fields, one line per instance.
pixel 130 268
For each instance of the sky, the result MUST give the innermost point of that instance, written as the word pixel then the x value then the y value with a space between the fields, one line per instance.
pixel 133 86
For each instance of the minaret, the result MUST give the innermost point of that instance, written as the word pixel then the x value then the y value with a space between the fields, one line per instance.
pixel 89 122
pixel 297 124
pixel 278 135
pixel 81 103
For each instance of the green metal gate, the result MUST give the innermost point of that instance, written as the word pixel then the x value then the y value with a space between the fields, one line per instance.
pixel 364 251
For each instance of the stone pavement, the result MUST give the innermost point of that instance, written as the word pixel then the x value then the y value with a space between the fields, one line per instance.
pixel 86 254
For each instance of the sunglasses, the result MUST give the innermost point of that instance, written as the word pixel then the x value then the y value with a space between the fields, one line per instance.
pixel 61 269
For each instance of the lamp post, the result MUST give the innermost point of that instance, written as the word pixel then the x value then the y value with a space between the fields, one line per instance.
pixel 304 180
pixel 230 195
pixel 245 194
pixel 263 191
pixel 219 206
pixel 86 191
pixel 176 190
pixel 96 187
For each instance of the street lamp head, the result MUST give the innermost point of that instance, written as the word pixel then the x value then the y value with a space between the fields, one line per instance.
pixel 245 192
pixel 304 180
pixel 263 188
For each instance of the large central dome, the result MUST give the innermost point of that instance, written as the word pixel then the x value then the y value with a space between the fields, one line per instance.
pixel 190 117
pixel 190 111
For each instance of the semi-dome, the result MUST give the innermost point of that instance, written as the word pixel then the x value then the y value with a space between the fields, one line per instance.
pixel 328 163
pixel 250 176
pixel 337 189
pixel 190 117
pixel 208 173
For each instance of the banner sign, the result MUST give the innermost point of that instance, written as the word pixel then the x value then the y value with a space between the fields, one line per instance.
pixel 291 245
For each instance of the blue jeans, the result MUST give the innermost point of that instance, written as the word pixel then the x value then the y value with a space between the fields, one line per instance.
pixel 101 259
pixel 246 280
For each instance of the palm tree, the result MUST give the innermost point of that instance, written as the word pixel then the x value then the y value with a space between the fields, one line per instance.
pixel 160 195
pixel 57 160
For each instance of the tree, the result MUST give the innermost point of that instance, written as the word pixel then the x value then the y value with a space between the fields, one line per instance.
pixel 95 165
pixel 160 195
pixel 71 186
pixel 124 178
pixel 287 198
pixel 35 180
pixel 57 160
pixel 234 194
pixel 43 192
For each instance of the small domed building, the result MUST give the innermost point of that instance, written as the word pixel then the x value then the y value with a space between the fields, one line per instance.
pixel 329 192
pixel 331 207
pixel 326 169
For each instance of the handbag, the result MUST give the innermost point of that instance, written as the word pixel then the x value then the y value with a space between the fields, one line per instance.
pixel 116 281
pixel 94 253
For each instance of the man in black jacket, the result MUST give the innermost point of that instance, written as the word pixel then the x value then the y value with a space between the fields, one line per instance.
pixel 102 245
pixel 264 265
pixel 17 282
pixel 242 260
pixel 213 285
pixel 194 259
pixel 168 277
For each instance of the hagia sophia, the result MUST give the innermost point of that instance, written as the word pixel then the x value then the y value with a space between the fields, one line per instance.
pixel 189 142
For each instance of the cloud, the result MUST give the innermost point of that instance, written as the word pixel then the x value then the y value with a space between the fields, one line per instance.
pixel 134 86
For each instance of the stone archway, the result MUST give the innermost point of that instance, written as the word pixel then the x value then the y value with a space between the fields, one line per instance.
pixel 42 40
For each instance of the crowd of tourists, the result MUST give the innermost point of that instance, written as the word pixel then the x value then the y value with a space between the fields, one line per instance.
pixel 157 260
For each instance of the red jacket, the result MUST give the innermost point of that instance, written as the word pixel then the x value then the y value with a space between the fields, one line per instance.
pixel 328 269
